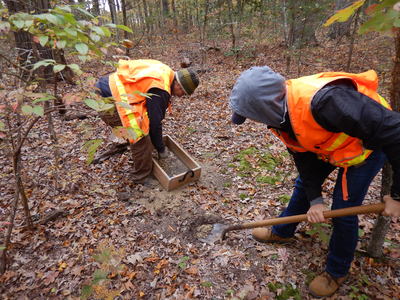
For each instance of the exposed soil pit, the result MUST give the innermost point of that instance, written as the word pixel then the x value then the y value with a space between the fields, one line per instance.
pixel 172 165
pixel 207 228
pixel 203 231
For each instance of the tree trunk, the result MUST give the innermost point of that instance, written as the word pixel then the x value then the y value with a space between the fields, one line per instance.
pixel 395 89
pixel 146 16
pixel 24 43
pixel 382 223
pixel 231 25
pixel 82 2
pixel 125 22
pixel 239 13
pixel 203 34
pixel 174 14
pixel 165 8
pixel 23 40
pixel 353 37
pixel 113 11
pixel 96 7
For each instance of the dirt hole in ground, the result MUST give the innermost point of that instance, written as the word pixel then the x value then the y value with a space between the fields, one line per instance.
pixel 202 226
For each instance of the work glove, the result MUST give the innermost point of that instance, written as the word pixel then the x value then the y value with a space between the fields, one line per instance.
pixel 392 207
pixel 163 155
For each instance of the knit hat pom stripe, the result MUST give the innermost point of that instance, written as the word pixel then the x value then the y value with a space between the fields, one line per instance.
pixel 188 80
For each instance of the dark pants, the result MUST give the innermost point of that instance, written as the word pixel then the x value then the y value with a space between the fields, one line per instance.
pixel 141 150
pixel 142 159
pixel 344 237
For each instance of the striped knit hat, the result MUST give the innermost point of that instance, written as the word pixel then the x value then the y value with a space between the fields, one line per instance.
pixel 188 79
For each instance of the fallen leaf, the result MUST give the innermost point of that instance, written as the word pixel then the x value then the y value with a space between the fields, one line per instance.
pixel 192 271
pixel 49 277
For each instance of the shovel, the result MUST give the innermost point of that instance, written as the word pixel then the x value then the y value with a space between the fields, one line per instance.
pixel 220 230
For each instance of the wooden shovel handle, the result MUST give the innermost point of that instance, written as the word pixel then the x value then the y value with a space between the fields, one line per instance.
pixel 350 211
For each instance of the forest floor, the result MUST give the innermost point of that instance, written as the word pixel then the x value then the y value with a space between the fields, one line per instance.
pixel 150 245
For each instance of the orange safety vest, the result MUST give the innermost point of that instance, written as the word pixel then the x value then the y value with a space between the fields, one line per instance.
pixel 132 79
pixel 339 149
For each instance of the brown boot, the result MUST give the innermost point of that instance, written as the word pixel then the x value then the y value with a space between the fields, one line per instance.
pixel 325 285
pixel 265 235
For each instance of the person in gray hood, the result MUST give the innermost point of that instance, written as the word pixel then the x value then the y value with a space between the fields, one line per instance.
pixel 327 120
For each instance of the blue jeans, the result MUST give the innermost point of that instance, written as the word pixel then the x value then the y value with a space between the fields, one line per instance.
pixel 344 237
pixel 103 86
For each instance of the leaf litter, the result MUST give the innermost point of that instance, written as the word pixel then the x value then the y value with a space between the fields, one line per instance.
pixel 157 241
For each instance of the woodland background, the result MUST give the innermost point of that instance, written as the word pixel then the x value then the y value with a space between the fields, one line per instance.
pixel 72 229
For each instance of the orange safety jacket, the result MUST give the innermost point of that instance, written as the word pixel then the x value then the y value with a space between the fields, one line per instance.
pixel 132 79
pixel 339 149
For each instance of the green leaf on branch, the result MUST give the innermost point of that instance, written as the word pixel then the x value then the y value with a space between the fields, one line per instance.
pixel 28 23
pixel 39 97
pixel 75 68
pixel 43 40
pixel 106 106
pixel 91 148
pixel 126 28
pixel 107 32
pixel 46 97
pixel 381 21
pixel 344 14
pixel 58 68
pixel 44 62
pixel 111 25
pixel 82 48
pixel 92 104
pixel 70 19
pixel 124 105
pixel 71 31
pixel 85 12
pixel 19 24
pixel 27 109
pixel 38 110
pixel 61 44
pixel 2 126
pixel 51 18
pixel 64 7
pixel 94 37
pixel 98 30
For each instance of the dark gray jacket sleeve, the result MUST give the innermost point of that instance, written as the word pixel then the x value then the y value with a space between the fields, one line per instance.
pixel 342 109
pixel 157 105
pixel 313 172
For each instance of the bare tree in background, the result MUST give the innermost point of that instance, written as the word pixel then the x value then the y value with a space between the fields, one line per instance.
pixel 96 7
pixel 165 8
pixel 113 11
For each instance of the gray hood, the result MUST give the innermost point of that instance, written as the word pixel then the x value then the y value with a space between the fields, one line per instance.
pixel 260 94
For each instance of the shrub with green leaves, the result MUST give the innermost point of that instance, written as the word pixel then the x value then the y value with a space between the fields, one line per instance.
pixel 257 164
